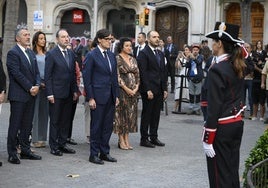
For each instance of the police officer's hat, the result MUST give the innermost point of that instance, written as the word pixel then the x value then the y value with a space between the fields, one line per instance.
pixel 226 32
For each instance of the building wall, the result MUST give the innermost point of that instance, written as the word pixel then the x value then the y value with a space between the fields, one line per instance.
pixel 202 14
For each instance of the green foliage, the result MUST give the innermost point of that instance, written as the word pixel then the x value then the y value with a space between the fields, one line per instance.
pixel 256 155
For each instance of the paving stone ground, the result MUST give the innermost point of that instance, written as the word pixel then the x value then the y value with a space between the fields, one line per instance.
pixel 180 164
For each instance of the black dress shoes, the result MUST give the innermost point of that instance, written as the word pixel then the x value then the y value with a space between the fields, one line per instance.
pixel 66 149
pixel 30 156
pixel 157 142
pixel 107 157
pixel 96 160
pixel 14 159
pixel 56 152
pixel 71 141
pixel 147 144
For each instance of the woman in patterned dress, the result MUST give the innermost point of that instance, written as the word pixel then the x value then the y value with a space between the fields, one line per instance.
pixel 126 114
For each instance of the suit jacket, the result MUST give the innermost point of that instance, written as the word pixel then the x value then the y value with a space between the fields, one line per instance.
pixel 2 78
pixel 153 77
pixel 22 74
pixel 60 78
pixel 78 53
pixel 174 51
pixel 99 82
pixel 135 50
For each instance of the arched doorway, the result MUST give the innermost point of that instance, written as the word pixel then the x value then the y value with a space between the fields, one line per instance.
pixel 173 21
pixel 233 15
pixel 77 28
pixel 122 22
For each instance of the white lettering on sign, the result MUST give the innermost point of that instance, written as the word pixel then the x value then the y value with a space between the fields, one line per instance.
pixel 77 16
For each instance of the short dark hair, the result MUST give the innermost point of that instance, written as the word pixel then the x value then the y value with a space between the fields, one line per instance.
pixel 204 41
pixel 143 34
pixel 102 33
pixel 122 40
pixel 57 33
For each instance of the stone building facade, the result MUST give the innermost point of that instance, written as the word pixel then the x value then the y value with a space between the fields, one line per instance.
pixel 186 20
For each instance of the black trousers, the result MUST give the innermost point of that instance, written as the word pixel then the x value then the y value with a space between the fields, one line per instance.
pixel 74 105
pixel 21 117
pixel 172 74
pixel 223 168
pixel 60 117
pixel 150 116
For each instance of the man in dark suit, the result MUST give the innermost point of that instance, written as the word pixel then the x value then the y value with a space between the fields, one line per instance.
pixel 24 82
pixel 173 53
pixel 78 52
pixel 141 39
pixel 101 85
pixel 61 90
pixel 2 84
pixel 153 89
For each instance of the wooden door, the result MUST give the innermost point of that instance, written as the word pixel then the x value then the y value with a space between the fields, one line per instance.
pixel 173 21
pixel 233 15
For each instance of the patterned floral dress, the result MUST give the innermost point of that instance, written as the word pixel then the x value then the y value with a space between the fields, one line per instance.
pixel 126 115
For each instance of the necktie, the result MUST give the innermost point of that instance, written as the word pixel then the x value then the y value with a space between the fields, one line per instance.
pixel 31 63
pixel 66 57
pixel 157 57
pixel 29 56
pixel 108 60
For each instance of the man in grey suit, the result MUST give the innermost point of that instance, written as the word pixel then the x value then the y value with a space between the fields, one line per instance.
pixel 61 90
pixel 24 81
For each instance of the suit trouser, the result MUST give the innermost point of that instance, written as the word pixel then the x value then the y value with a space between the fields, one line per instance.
pixel 60 117
pixel 172 73
pixel 101 127
pixel 74 105
pixel 21 117
pixel 223 168
pixel 150 116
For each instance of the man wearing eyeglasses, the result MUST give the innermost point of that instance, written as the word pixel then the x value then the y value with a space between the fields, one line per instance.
pixel 101 85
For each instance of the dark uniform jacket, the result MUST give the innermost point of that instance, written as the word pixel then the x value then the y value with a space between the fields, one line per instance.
pixel 225 93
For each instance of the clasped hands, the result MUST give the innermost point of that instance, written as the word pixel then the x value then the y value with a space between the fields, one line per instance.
pixel 34 90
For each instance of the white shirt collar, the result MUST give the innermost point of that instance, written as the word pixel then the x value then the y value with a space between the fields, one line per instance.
pixel 152 48
pixel 221 57
pixel 21 47
pixel 142 46
pixel 102 50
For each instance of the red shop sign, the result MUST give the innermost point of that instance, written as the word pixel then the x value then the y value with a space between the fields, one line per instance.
pixel 78 16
